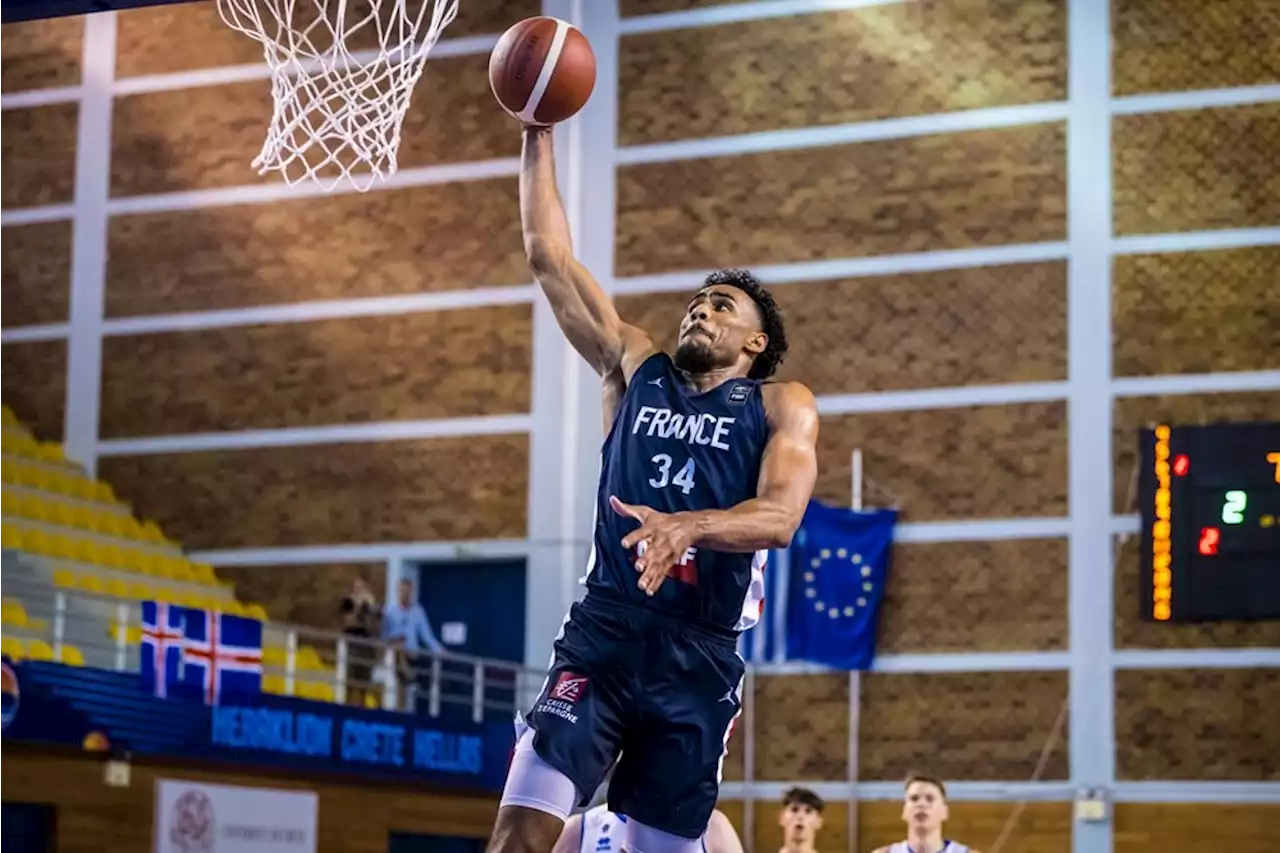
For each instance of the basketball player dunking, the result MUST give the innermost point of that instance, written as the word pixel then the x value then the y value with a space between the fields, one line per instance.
pixel 924 810
pixel 706 466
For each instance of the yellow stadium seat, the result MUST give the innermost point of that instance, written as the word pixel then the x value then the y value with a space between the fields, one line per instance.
pixel 64 577
pixel 91 583
pixel 106 522
pixel 102 492
pixel 39 650
pixel 274 656
pixel 320 691
pixel 130 528
pixel 257 611
pixel 58 482
pixel 178 569
pixel 37 508
pixel 8 471
pixel 9 502
pixel 83 517
pixel 38 542
pixel 51 451
pixel 13 647
pixel 84 550
pixel 152 533
pixel 23 475
pixel 141 592
pixel 309 659
pixel 117 587
pixel 112 556
pixel 132 633
pixel 37 477
pixel 71 656
pixel 203 573
pixel 166 594
pixel 62 547
pixel 81 489
pixel 8 417
pixel 13 613
pixel 63 514
pixel 273 684
pixel 12 535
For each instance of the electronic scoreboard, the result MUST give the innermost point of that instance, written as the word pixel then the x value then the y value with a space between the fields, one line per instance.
pixel 1210 522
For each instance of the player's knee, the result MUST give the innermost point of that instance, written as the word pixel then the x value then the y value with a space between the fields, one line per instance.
pixel 642 838
pixel 524 830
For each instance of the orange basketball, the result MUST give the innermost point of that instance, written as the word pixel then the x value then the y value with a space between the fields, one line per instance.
pixel 542 70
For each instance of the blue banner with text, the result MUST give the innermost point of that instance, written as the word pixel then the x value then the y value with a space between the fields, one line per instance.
pixel 109 712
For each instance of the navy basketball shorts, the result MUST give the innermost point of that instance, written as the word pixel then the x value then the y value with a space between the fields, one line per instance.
pixel 630 681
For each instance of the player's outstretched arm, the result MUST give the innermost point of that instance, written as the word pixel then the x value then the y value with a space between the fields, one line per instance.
pixel 769 520
pixel 570 837
pixel 586 314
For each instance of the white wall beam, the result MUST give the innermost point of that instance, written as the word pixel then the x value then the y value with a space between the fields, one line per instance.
pixel 89 241
pixel 1091 713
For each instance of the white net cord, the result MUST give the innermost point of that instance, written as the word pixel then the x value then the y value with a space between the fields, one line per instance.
pixel 342 75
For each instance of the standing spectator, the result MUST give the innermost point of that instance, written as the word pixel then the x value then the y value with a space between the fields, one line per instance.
pixel 360 622
pixel 404 624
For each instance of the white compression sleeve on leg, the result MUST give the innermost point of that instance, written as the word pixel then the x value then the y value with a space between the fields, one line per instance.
pixel 534 784
pixel 646 839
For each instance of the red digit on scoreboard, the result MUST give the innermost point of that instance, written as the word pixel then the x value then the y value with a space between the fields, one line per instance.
pixel 1209 537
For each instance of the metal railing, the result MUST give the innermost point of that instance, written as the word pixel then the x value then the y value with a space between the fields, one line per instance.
pixel 298 660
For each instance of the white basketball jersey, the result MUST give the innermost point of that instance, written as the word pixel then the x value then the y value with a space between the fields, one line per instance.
pixel 603 831
pixel 947 847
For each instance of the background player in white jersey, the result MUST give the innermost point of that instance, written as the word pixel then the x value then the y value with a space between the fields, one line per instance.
pixel 598 830
pixel 800 819
pixel 924 810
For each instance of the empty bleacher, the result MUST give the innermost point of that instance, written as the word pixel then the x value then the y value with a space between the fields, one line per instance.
pixel 66 531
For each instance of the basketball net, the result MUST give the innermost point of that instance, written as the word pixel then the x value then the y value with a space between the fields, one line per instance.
pixel 342 74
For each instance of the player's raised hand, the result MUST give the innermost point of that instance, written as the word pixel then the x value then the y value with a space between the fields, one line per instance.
pixel 666 538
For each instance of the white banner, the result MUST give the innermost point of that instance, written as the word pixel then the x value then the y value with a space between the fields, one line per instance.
pixel 192 817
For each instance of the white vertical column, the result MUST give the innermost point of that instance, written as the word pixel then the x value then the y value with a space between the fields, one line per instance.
pixel 89 240
pixel 564 462
pixel 598 129
pixel 1092 724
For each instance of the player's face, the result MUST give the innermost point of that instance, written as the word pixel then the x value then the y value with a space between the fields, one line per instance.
pixel 720 323
pixel 923 807
pixel 800 822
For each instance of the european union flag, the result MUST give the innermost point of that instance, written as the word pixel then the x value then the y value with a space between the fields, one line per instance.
pixel 222 655
pixel 839 566
pixel 163 636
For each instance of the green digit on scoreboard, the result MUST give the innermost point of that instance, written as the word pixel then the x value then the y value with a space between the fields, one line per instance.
pixel 1233 508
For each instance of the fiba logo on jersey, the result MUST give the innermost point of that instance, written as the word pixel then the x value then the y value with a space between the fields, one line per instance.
pixel 9 695
pixel 738 394
pixel 193 829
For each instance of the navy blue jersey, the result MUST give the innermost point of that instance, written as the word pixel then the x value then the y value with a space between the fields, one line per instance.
pixel 673 449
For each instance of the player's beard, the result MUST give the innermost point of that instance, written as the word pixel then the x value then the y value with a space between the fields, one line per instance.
pixel 695 358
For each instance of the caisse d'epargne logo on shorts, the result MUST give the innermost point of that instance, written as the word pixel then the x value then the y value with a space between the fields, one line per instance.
pixel 194 829
pixel 569 687
pixel 562 697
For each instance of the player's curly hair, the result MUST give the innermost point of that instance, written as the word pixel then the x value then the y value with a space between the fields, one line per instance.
pixel 766 363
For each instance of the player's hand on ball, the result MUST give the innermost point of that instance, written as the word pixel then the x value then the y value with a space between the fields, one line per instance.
pixel 667 537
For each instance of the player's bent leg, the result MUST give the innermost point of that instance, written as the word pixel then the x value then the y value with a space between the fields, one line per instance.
pixel 535 802
pixel 534 784
pixel 642 838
